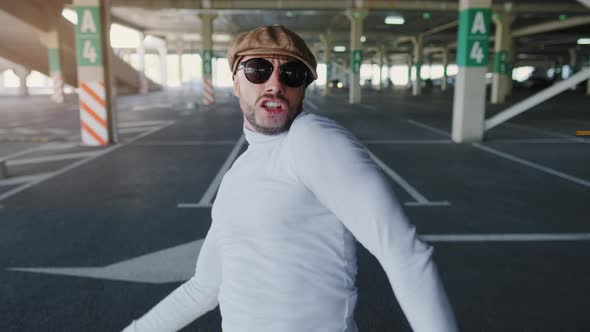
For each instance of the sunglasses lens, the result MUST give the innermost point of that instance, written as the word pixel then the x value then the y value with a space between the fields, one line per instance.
pixel 293 74
pixel 257 70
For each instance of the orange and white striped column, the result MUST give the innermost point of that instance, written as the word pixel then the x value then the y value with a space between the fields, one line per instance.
pixel 208 97
pixel 93 114
pixel 97 121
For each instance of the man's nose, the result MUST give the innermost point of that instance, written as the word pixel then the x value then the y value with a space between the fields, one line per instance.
pixel 274 84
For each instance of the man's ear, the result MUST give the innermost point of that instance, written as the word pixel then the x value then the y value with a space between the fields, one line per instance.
pixel 236 87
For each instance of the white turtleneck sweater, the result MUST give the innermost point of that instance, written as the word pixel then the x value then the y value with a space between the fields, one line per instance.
pixel 280 253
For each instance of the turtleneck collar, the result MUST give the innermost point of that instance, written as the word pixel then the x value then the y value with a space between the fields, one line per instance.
pixel 256 138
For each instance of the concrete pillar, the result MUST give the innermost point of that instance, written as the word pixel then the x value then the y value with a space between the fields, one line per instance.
pixel 357 17
pixel 388 68
pixel 410 63
pixel 472 50
pixel 573 59
pixel 208 97
pixel 96 84
pixel 23 89
pixel 445 63
pixel 51 40
pixel 143 83
pixel 502 68
pixel 163 53
pixel 418 60
pixel 328 43
pixel 381 56
pixel 179 52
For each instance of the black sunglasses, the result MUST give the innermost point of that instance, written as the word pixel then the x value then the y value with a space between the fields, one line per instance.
pixel 293 74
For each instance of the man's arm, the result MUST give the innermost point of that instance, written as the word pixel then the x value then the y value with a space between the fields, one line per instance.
pixel 338 170
pixel 189 301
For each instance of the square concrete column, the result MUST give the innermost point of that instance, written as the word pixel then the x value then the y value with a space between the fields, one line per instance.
pixel 179 52
pixel 472 60
pixel 445 63
pixel 418 60
pixel 502 68
pixel 51 40
pixel 410 63
pixel 357 17
pixel 94 56
pixel 381 56
pixel 328 42
pixel 208 97
pixel 143 83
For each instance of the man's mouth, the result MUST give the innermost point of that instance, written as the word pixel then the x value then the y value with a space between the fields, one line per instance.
pixel 273 106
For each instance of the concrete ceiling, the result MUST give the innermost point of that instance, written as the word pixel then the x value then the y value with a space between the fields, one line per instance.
pixel 179 20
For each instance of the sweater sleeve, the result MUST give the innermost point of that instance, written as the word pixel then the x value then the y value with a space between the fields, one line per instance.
pixel 339 171
pixel 190 300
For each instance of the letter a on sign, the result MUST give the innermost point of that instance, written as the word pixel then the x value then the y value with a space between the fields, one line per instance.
pixel 479 24
pixel 87 23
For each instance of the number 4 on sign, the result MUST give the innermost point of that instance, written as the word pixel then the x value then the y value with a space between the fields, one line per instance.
pixel 476 52
pixel 89 51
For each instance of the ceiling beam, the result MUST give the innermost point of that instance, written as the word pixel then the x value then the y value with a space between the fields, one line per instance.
pixel 551 26
pixel 440 28
pixel 229 5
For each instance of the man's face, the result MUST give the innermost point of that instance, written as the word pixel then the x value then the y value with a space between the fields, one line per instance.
pixel 270 107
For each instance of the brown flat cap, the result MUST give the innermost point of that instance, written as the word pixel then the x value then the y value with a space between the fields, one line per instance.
pixel 273 40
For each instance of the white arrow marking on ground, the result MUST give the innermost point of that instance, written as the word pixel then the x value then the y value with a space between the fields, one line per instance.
pixel 175 264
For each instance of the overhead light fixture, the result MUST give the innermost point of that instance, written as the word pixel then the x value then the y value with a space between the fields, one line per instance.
pixel 426 15
pixel 70 15
pixel 584 41
pixel 394 20
pixel 363 39
pixel 339 48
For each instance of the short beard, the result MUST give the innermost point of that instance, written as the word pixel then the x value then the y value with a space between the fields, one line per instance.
pixel 250 114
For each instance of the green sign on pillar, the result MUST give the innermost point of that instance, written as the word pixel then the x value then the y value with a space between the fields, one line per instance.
pixel 54 63
pixel 501 64
pixel 472 37
pixel 207 56
pixel 356 60
pixel 88 37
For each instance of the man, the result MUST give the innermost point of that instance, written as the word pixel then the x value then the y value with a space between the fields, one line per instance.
pixel 280 253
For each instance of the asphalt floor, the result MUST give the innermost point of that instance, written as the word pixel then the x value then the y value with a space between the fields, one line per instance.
pixel 509 218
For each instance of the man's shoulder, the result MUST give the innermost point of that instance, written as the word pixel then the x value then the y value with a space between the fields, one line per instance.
pixel 307 124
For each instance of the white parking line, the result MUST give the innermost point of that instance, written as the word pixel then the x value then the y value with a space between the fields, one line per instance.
pixel 23 179
pixel 368 107
pixel 537 141
pixel 409 141
pixel 183 143
pixel 427 127
pixel 57 131
pixel 532 165
pixel 78 163
pixel 506 237
pixel 134 130
pixel 140 124
pixel 45 159
pixel 207 199
pixel 311 105
pixel 545 132
pixel 25 131
pixel 420 200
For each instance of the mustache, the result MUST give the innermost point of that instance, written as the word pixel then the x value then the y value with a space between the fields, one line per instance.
pixel 273 96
